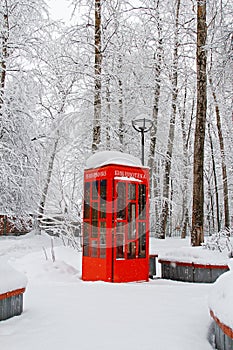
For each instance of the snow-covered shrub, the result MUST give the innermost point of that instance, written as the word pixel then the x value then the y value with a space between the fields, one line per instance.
pixel 64 227
pixel 220 241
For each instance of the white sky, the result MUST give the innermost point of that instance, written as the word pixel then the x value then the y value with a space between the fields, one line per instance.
pixel 60 9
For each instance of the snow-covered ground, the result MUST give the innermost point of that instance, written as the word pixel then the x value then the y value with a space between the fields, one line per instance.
pixel 63 312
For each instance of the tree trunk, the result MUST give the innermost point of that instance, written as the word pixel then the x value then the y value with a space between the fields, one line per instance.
pixel 108 102
pixel 185 224
pixel 197 233
pixel 222 149
pixel 153 133
pixel 97 79
pixel 158 63
pixel 4 55
pixel 185 143
pixel 166 187
pixel 47 182
pixel 121 112
pixel 215 179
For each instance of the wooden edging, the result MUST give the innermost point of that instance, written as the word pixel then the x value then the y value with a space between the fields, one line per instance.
pixel 12 293
pixel 226 330
pixel 192 264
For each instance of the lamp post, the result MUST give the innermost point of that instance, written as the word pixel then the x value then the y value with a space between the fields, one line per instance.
pixel 142 125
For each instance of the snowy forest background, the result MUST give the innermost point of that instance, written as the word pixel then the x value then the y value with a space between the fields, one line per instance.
pixel 48 99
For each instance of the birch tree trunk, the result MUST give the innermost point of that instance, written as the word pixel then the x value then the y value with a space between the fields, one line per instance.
pixel 166 185
pixel 197 232
pixel 97 78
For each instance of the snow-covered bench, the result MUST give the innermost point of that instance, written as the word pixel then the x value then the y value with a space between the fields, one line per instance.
pixel 12 287
pixel 193 264
pixel 221 310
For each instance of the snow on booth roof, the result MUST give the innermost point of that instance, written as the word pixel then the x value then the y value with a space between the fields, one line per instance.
pixel 112 157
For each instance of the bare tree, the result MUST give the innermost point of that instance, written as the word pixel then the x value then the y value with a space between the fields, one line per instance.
pixel 215 179
pixel 58 78
pixel 97 78
pixel 223 157
pixel 44 194
pixel 168 160
pixel 22 26
pixel 157 70
pixel 197 233
pixel 185 144
pixel 4 54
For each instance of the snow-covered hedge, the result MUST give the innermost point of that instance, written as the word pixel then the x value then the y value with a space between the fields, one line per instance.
pixel 10 279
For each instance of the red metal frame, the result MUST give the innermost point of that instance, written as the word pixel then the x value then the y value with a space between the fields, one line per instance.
pixel 107 222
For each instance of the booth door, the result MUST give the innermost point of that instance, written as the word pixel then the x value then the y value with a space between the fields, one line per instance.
pixel 130 254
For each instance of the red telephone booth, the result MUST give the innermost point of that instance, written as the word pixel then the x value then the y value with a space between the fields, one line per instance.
pixel 115 219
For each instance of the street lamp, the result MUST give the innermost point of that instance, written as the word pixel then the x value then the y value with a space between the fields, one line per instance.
pixel 142 125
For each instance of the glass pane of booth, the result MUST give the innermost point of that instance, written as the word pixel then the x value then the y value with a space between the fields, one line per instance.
pixel 87 200
pixel 102 239
pixel 142 239
pixel 103 197
pixel 86 250
pixel 102 252
pixel 95 190
pixel 94 220
pixel 94 214
pixel 121 200
pixel 120 240
pixel 86 211
pixel 131 221
pixel 103 232
pixel 132 191
pixel 131 250
pixel 102 209
pixel 142 201
pixel 103 189
pixel 86 227
pixel 94 229
pixel 94 249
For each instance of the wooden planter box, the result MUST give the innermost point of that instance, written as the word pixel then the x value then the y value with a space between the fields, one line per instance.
pixel 223 334
pixel 191 272
pixel 11 303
